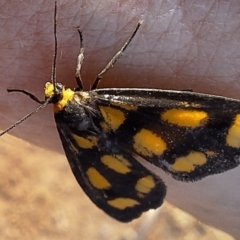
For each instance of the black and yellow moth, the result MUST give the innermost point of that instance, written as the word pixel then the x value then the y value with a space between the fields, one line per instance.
pixel 104 133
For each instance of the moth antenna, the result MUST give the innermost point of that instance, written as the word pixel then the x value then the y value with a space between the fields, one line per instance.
pixel 26 117
pixel 53 78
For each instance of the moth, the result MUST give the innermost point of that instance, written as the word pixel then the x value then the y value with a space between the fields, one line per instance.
pixel 104 133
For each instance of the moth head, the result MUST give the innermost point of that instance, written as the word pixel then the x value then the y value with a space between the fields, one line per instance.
pixel 58 95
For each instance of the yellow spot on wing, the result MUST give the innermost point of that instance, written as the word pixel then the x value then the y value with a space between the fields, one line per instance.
pixel 104 126
pixel 233 136
pixel 148 143
pixel 124 106
pixel 87 142
pixel 145 184
pixel 113 117
pixel 97 180
pixel 72 147
pixel 190 162
pixel 185 118
pixel 122 203
pixel 116 162
pixel 211 153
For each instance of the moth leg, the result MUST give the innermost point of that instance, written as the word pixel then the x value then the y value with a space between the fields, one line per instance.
pixel 79 63
pixel 116 57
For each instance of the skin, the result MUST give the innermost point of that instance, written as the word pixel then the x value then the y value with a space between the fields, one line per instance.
pixel 181 45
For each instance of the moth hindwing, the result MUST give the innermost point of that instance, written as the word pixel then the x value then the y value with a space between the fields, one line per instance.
pixel 107 133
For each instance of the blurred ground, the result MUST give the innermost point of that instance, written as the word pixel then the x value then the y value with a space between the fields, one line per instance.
pixel 40 199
